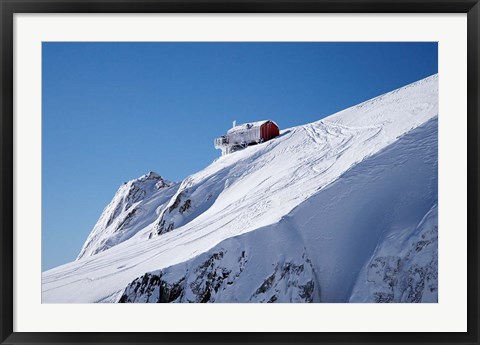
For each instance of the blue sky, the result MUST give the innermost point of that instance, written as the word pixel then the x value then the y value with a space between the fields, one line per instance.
pixel 112 112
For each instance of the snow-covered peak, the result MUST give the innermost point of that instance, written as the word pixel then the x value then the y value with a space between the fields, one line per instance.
pixel 133 206
pixel 260 215
pixel 146 183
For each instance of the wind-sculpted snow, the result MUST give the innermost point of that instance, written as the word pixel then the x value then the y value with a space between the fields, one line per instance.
pixel 325 192
pixel 132 208
pixel 374 217
pixel 243 188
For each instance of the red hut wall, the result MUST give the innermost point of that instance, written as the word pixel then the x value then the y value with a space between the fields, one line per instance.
pixel 269 130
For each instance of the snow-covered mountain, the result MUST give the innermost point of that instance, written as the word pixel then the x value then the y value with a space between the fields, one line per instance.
pixel 339 210
pixel 135 205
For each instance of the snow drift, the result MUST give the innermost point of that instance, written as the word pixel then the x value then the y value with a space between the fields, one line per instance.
pixel 339 210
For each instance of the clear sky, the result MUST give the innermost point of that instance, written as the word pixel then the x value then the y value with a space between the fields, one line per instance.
pixel 112 112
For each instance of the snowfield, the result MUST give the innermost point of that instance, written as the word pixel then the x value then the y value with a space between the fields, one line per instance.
pixel 339 210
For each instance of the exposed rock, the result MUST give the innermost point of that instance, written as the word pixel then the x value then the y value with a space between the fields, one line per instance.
pixel 210 281
pixel 133 205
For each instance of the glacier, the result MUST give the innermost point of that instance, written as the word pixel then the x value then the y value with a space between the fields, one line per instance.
pixel 340 210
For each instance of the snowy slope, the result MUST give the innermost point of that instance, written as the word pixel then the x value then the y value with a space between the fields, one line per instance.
pixel 315 253
pixel 285 190
pixel 133 207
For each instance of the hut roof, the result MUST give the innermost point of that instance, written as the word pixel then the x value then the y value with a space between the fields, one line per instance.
pixel 244 126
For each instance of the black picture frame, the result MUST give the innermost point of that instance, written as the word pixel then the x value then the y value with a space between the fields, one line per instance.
pixel 10 7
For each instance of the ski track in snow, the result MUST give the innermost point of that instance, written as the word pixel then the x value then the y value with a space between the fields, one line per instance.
pixel 251 189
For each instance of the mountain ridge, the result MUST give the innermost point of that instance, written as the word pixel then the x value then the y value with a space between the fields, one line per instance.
pixel 123 215
pixel 238 194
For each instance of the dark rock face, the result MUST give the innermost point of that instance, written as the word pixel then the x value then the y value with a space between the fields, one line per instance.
pixel 210 280
pixel 287 274
pixel 407 278
pixel 150 288
pixel 185 206
pixel 181 204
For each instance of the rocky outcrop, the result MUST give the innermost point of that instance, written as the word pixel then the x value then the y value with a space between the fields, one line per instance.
pixel 132 208
pixel 411 276
pixel 213 279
